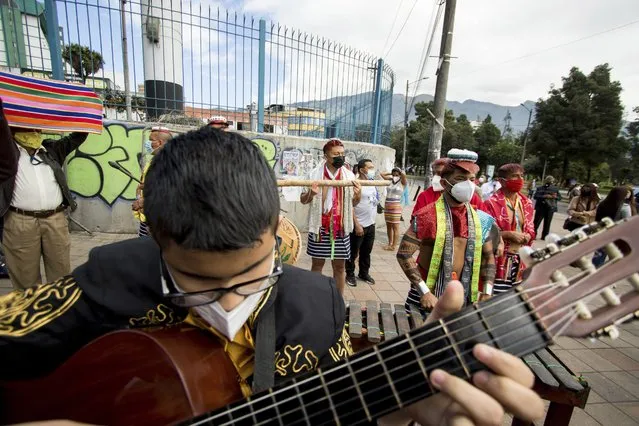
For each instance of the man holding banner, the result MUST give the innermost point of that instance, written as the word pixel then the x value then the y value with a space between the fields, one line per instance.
pixel 35 193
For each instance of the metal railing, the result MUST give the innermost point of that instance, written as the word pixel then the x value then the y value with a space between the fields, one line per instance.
pixel 189 61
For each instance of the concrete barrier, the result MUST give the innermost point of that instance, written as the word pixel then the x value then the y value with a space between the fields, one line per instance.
pixel 104 195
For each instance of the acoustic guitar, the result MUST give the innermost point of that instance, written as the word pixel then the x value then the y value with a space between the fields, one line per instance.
pixel 181 375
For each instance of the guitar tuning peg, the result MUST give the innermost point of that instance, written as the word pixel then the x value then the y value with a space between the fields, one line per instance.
pixel 634 281
pixel 552 238
pixel 560 279
pixel 586 264
pixel 525 253
pixel 612 332
pixel 582 311
pixel 607 222
pixel 610 297
pixel 613 251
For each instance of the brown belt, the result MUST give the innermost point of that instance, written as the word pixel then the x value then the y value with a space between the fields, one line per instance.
pixel 40 214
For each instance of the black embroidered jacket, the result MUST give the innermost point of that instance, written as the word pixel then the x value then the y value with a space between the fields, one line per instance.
pixel 120 287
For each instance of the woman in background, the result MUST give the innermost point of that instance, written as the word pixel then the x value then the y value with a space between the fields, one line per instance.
pixel 583 208
pixel 393 206
pixel 613 206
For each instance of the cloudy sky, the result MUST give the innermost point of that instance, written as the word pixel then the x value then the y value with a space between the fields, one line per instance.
pixel 504 47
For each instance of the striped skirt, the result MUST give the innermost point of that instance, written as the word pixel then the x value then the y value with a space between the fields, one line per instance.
pixel 320 247
pixel 143 230
pixel 512 274
pixel 393 210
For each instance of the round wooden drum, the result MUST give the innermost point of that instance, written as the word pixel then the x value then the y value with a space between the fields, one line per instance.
pixel 290 241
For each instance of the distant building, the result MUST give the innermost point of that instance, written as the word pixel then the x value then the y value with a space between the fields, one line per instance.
pixel 23 41
pixel 241 119
pixel 301 121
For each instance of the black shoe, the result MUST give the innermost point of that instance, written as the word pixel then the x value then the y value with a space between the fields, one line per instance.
pixel 351 280
pixel 367 278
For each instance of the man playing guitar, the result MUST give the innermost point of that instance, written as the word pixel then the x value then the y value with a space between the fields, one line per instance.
pixel 212 206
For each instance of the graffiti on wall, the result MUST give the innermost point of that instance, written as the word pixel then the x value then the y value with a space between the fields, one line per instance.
pixel 88 170
pixel 269 148
pixel 311 157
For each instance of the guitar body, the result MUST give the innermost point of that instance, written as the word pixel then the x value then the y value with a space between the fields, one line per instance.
pixel 129 377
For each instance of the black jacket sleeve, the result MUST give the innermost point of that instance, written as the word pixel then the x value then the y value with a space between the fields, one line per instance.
pixel 8 157
pixel 66 145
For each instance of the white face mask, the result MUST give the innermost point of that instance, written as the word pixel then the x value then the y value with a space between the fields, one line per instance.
pixel 148 147
pixel 463 191
pixel 395 179
pixel 230 322
pixel 437 183
pixel 370 174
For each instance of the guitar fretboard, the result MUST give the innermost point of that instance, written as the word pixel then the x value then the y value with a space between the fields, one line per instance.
pixel 393 374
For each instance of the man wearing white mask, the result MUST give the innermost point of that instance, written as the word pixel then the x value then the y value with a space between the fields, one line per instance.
pixel 213 262
pixel 453 239
pixel 432 194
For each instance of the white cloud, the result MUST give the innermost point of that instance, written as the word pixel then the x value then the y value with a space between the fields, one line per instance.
pixel 487 35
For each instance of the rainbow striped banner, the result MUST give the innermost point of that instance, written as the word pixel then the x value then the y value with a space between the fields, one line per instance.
pixel 50 104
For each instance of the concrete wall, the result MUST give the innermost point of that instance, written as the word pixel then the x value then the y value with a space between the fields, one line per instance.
pixel 104 195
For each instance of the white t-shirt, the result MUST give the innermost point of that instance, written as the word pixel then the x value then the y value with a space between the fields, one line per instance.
pixel 366 209
pixel 489 188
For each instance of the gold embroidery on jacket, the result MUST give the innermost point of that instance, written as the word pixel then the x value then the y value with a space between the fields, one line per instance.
pixel 161 314
pixel 295 359
pixel 342 348
pixel 22 312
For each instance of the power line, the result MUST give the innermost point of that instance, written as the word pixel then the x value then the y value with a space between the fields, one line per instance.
pixel 392 26
pixel 427 54
pixel 528 55
pixel 401 29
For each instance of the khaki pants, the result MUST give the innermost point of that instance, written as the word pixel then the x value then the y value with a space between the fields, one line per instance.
pixel 27 238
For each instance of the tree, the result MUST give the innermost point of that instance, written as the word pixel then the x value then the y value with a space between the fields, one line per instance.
pixel 486 136
pixel 83 61
pixel 117 99
pixel 580 121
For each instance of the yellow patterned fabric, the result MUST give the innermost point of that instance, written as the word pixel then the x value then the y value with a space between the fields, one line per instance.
pixel 23 312
pixel 343 348
pixel 138 214
pixel 241 351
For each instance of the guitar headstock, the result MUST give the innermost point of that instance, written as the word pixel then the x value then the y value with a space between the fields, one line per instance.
pixel 560 298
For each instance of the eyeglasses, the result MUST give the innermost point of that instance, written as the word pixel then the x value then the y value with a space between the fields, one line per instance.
pixel 199 298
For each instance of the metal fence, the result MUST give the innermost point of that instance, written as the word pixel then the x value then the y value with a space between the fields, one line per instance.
pixel 170 60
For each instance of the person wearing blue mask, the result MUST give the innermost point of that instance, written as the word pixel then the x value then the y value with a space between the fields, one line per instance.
pixel 158 137
pixel 363 236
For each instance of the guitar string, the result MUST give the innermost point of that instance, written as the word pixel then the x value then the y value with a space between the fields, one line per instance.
pixel 343 402
pixel 414 400
pixel 552 285
pixel 422 333
pixel 416 373
pixel 569 307
pixel 576 278
pixel 549 288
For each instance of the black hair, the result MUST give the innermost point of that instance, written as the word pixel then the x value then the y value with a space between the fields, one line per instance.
pixel 611 205
pixel 396 169
pixel 361 163
pixel 210 190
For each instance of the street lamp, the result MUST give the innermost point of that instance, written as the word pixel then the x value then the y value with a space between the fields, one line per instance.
pixel 406 119
pixel 523 151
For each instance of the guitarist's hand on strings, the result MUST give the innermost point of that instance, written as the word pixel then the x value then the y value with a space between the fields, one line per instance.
pixel 507 389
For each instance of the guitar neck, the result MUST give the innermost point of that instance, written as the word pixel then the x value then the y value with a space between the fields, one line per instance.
pixel 394 374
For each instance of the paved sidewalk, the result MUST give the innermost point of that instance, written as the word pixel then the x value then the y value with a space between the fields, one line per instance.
pixel 611 367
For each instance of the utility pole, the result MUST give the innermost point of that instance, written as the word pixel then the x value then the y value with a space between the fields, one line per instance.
pixel 125 63
pixel 523 151
pixel 437 130
pixel 405 127
pixel 406 120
